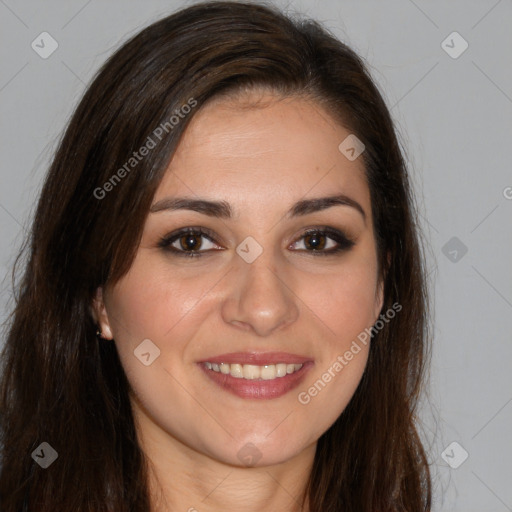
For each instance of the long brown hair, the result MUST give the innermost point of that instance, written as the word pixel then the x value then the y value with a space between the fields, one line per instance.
pixel 63 386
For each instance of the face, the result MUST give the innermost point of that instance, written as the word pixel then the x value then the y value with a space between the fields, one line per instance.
pixel 236 335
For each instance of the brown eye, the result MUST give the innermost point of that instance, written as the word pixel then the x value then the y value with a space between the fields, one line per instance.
pixel 324 241
pixel 315 241
pixel 188 242
pixel 196 242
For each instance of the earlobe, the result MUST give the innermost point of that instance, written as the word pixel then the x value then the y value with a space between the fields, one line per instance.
pixel 379 296
pixel 100 315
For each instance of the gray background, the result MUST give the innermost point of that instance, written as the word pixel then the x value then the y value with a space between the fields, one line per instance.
pixel 454 119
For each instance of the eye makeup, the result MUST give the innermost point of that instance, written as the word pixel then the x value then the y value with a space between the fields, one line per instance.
pixel 187 242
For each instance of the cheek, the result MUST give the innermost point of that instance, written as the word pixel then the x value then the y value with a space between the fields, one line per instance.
pixel 150 302
pixel 344 305
pixel 343 302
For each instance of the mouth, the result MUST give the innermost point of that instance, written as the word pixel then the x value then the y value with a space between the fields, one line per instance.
pixel 257 375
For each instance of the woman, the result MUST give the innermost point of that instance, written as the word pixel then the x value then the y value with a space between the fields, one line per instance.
pixel 224 302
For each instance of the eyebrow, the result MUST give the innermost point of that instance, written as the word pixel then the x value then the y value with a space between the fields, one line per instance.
pixel 223 210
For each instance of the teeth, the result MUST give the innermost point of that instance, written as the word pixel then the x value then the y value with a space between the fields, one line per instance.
pixel 236 371
pixel 281 369
pixel 251 372
pixel 254 372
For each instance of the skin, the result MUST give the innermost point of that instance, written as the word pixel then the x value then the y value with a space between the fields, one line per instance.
pixel 261 159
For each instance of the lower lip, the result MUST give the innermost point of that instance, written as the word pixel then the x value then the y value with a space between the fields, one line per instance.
pixel 258 389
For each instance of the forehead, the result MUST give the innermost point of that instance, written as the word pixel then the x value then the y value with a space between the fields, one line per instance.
pixel 264 150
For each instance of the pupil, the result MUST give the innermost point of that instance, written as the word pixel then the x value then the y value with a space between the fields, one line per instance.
pixel 315 242
pixel 189 241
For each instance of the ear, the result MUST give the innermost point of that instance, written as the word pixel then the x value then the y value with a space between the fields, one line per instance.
pixel 100 315
pixel 379 299
pixel 379 294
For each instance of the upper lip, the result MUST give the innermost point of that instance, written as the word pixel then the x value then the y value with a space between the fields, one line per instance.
pixel 257 358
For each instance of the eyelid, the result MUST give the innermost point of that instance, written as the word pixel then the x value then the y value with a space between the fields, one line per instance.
pixel 340 236
pixel 343 240
pixel 170 238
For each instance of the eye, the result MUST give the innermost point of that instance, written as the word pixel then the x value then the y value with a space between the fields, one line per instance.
pixel 323 241
pixel 189 242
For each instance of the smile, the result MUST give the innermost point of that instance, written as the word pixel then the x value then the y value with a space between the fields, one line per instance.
pixel 263 375
pixel 254 372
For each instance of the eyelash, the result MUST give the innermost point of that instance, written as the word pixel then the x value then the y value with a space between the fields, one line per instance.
pixel 344 242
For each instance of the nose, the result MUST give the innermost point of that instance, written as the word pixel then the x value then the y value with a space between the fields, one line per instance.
pixel 259 298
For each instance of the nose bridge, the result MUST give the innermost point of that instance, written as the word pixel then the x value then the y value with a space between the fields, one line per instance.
pixel 259 296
